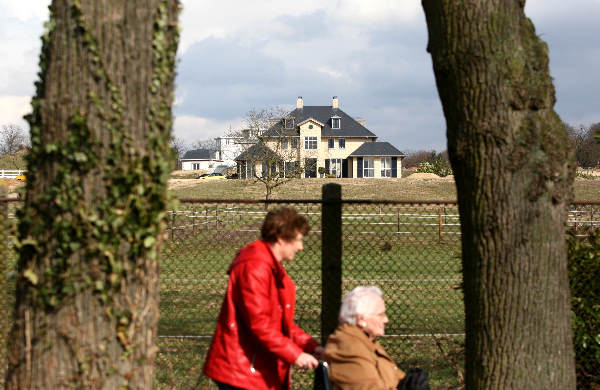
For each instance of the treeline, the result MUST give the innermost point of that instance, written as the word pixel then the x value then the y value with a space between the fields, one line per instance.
pixel 586 140
pixel 587 144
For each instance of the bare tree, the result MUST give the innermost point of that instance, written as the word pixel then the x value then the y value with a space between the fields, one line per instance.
pixel 87 289
pixel 587 146
pixel 514 174
pixel 210 144
pixel 12 139
pixel 179 147
pixel 270 150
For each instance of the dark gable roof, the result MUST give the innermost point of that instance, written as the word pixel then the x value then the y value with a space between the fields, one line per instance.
pixel 349 126
pixel 257 152
pixel 200 154
pixel 377 149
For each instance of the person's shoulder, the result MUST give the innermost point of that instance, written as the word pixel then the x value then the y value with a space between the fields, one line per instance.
pixel 347 339
pixel 253 258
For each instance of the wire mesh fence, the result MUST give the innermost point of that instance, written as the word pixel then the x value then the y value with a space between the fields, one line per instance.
pixel 410 250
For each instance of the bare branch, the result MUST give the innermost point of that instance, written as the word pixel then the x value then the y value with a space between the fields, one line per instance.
pixel 12 139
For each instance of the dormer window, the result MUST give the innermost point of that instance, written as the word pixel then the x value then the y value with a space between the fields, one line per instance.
pixel 289 123
pixel 336 122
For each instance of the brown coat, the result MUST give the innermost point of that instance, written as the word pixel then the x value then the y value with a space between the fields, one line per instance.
pixel 358 363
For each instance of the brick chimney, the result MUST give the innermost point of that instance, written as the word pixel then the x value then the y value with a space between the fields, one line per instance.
pixel 335 103
pixel 299 102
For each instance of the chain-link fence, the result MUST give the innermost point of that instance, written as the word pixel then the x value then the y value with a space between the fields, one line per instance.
pixel 410 250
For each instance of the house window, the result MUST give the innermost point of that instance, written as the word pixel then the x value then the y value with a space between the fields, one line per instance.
pixel 342 143
pixel 386 167
pixel 310 142
pixel 331 143
pixel 291 169
pixel 195 166
pixel 294 143
pixel 335 123
pixel 284 143
pixel 289 123
pixel 335 167
pixel 368 167
pixel 310 126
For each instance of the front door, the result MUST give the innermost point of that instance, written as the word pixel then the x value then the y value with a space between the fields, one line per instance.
pixel 310 167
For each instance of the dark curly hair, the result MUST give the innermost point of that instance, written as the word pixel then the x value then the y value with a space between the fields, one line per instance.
pixel 285 223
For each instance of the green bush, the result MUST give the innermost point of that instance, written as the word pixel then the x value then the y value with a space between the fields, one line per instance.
pixel 584 278
pixel 584 175
pixel 440 167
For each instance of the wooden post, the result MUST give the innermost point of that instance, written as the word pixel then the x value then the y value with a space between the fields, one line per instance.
pixel 331 261
pixel 172 223
pixel 217 218
pixel 194 220
pixel 440 225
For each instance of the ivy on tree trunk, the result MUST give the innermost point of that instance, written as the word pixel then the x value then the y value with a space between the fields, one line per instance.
pixel 87 289
pixel 514 168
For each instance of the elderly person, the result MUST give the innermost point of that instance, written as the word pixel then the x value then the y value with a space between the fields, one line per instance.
pixel 256 339
pixel 356 361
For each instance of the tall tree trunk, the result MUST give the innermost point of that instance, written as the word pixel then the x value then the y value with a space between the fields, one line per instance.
pixel 4 286
pixel 514 170
pixel 87 291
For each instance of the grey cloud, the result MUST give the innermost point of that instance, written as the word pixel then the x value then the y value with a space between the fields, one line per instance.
pixel 574 52
pixel 386 84
pixel 217 78
pixel 305 27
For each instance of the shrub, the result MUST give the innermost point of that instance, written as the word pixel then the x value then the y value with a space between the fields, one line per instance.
pixel 440 167
pixel 584 278
pixel 585 175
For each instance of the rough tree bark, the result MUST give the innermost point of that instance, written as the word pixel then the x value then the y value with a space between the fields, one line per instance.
pixel 87 291
pixel 4 259
pixel 514 169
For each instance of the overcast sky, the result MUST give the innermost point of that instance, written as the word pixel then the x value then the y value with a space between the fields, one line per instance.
pixel 236 55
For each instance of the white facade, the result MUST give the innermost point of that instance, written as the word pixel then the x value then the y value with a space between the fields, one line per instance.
pixel 230 148
pixel 194 165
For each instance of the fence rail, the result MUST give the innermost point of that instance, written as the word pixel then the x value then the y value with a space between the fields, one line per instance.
pixel 10 173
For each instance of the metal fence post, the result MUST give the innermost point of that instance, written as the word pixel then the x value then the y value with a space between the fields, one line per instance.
pixel 4 317
pixel 331 260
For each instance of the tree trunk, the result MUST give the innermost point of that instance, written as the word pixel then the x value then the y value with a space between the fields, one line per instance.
pixel 87 290
pixel 514 169
pixel 4 286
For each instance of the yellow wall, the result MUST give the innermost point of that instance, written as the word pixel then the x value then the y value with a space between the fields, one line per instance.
pixel 323 152
pixel 311 153
pixel 377 166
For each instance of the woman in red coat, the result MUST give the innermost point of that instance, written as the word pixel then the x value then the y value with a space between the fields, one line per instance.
pixel 256 339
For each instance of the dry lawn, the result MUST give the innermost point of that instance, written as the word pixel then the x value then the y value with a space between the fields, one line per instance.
pixel 418 186
pixel 413 187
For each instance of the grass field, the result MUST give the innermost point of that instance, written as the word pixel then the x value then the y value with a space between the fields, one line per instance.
pixel 402 249
pixel 397 248
pixel 442 189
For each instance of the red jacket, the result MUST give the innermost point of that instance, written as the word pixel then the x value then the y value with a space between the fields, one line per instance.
pixel 256 338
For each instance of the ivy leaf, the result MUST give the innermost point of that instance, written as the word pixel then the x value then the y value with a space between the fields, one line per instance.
pixel 149 241
pixel 80 157
pixel 31 276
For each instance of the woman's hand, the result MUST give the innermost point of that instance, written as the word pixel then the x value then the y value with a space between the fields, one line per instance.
pixel 306 361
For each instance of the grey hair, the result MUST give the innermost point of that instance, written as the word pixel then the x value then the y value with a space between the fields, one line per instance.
pixel 354 303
